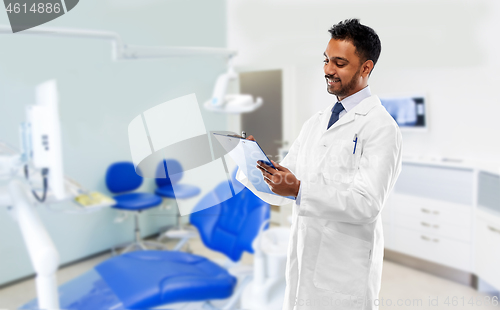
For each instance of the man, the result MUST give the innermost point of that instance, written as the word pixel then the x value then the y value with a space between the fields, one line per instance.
pixel 340 169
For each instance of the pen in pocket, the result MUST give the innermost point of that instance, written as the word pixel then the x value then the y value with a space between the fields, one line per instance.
pixel 355 140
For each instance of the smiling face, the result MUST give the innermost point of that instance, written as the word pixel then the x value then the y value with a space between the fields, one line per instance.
pixel 345 74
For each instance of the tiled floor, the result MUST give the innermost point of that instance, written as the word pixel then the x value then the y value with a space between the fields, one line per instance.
pixel 402 287
pixel 413 289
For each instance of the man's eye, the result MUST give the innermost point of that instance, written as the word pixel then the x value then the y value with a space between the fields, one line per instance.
pixel 325 61
pixel 340 65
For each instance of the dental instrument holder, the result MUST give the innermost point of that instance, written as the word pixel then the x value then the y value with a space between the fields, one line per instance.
pixel 41 149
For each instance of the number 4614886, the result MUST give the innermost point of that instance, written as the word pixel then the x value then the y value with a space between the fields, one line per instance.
pixel 35 8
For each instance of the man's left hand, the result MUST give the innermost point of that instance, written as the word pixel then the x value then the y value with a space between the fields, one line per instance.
pixel 280 180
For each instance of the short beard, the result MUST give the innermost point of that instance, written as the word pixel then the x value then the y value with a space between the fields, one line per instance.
pixel 344 91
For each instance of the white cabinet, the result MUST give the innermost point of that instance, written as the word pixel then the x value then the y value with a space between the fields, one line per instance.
pixel 445 219
pixel 433 248
pixel 449 215
pixel 430 215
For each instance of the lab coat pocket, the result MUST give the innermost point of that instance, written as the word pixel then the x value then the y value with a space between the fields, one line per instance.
pixel 342 264
pixel 341 162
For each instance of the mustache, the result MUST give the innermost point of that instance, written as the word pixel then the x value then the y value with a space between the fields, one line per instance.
pixel 327 76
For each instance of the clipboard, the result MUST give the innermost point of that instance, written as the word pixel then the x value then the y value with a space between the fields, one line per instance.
pixel 245 153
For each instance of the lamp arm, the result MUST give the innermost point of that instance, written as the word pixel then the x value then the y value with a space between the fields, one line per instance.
pixel 121 50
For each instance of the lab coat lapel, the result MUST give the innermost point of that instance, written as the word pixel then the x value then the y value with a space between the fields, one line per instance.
pixel 362 109
pixel 348 117
pixel 324 117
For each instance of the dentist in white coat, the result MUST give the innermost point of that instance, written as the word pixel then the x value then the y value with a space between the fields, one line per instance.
pixel 341 168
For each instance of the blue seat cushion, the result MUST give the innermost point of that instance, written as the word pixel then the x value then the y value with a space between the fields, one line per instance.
pixel 181 191
pixel 136 201
pixel 122 177
pixel 152 278
pixel 229 226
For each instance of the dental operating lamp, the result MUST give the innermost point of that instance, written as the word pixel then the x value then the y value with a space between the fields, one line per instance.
pixel 230 103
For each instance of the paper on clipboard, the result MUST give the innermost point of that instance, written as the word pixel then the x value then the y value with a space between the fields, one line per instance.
pixel 246 153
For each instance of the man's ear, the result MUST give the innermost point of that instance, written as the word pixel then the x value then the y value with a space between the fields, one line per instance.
pixel 367 68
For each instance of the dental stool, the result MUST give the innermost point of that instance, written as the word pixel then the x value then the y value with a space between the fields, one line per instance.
pixel 121 179
pixel 169 174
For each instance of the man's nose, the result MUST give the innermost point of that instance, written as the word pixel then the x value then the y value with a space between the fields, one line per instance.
pixel 329 69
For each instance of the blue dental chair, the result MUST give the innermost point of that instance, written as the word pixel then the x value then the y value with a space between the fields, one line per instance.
pixel 169 172
pixel 122 180
pixel 148 279
pixel 172 170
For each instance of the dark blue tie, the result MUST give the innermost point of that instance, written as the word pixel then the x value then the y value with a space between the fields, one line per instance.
pixel 337 108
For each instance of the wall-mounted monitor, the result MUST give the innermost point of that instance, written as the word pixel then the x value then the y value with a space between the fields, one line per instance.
pixel 408 111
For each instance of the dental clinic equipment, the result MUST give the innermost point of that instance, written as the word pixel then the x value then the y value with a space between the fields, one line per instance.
pixel 180 280
pixel 220 101
pixel 230 103
pixel 41 136
pixel 41 149
pixel 41 155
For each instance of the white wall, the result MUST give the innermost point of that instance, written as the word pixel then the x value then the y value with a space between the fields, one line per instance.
pixel 446 49
pixel 98 99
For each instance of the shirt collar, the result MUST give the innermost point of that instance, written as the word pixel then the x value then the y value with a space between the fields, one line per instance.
pixel 350 102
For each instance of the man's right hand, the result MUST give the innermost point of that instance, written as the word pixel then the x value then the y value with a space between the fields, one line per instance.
pixel 250 137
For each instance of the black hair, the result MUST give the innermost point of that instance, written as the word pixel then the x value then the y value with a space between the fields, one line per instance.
pixel 364 38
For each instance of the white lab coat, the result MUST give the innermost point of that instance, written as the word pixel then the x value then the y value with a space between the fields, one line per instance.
pixel 336 245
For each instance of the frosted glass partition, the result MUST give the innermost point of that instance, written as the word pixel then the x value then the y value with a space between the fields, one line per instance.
pixel 488 195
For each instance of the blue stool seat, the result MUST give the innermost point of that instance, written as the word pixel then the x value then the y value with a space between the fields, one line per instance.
pixel 182 191
pixel 152 278
pixel 136 201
